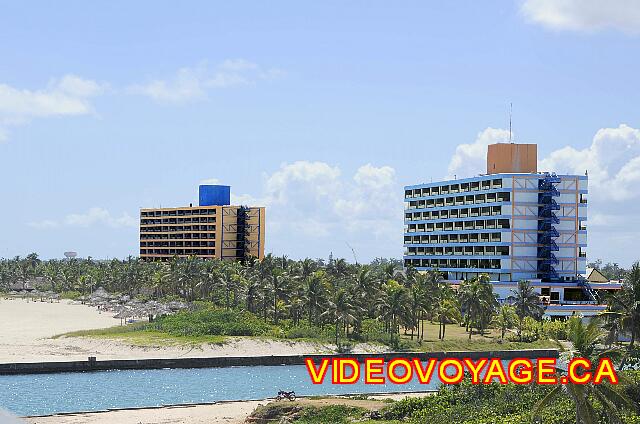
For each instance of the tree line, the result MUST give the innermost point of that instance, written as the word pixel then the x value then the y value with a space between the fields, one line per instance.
pixel 318 292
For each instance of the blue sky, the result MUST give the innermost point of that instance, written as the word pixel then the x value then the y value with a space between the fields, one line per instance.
pixel 321 111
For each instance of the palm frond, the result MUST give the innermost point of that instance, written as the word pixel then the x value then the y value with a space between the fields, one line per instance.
pixel 545 401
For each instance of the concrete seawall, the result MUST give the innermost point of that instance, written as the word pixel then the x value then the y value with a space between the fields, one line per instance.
pixel 216 362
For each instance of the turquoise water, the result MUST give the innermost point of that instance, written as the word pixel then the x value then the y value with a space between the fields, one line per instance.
pixel 41 394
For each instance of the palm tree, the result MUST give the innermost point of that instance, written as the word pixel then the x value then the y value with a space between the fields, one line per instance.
pixel 505 319
pixel 585 340
pixel 446 311
pixel 478 301
pixel 341 311
pixel 278 287
pixel 526 302
pixel 624 308
pixel 315 292
pixel 418 306
pixel 393 306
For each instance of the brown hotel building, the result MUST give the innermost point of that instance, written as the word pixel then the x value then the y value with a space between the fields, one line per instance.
pixel 213 229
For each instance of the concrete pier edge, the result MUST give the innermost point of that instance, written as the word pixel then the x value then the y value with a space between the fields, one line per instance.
pixel 92 364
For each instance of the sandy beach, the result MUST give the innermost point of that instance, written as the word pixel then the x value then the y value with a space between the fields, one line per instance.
pixel 28 327
pixel 219 413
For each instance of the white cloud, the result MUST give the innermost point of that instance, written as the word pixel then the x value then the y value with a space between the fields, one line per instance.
pixel 193 83
pixel 94 216
pixel 315 206
pixel 314 181
pixel 471 159
pixel 584 15
pixel 67 96
pixel 78 87
pixel 612 162
pixel 44 224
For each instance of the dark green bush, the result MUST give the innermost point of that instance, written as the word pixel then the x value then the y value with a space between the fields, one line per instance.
pixel 556 330
pixel 494 403
pixel 212 321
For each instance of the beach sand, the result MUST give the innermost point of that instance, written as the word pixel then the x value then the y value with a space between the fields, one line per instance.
pixel 227 413
pixel 223 412
pixel 27 328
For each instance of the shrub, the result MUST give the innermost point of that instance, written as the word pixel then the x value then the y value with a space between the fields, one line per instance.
pixel 373 331
pixel 556 330
pixel 213 321
pixel 71 294
pixel 531 331
pixel 304 330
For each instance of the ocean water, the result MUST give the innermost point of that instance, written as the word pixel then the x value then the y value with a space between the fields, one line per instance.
pixel 41 394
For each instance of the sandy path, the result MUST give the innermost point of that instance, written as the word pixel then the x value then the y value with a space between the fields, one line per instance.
pixel 26 329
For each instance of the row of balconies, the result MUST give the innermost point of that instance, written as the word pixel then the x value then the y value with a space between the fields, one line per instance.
pixel 178 212
pixel 177 243
pixel 459 200
pixel 182 228
pixel 158 221
pixel 488 224
pixel 453 188
pixel 454 238
pixel 177 236
pixel 454 213
pixel 454 263
pixel 459 250
pixel 179 252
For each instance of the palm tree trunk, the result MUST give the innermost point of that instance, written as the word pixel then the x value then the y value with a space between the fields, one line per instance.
pixel 275 308
pixel 413 327
pixel 520 329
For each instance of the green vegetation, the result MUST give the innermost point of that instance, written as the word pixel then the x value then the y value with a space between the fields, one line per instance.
pixel 141 334
pixel 505 404
pixel 326 301
pixel 307 414
pixel 281 298
pixel 464 403
pixel 587 398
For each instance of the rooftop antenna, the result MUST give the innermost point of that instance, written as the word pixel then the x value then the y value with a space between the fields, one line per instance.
pixel 510 112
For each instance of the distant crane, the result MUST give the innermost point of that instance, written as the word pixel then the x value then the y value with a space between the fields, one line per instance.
pixel 352 251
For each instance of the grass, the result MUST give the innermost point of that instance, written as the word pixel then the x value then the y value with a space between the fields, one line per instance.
pixel 138 334
pixel 304 413
pixel 457 339
pixel 214 328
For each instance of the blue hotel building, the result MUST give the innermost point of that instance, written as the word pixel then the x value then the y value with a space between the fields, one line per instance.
pixel 512 223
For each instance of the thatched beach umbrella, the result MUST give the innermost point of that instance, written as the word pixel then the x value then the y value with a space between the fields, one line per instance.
pixel 123 314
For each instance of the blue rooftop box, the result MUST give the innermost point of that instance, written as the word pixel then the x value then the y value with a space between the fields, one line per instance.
pixel 215 195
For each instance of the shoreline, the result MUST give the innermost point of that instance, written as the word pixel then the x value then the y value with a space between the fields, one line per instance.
pixel 221 412
pixel 373 396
